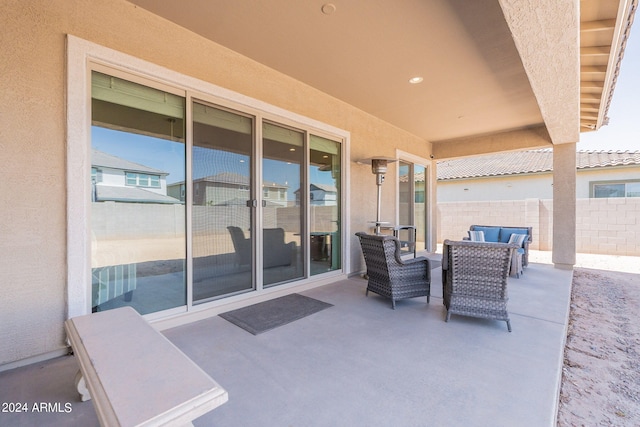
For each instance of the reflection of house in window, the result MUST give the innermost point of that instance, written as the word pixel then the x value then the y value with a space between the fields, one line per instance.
pixel 228 188
pixel 419 192
pixel 116 179
pixel 321 195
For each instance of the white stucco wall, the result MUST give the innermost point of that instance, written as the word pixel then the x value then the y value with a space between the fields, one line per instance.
pixel 496 188
pixel 520 187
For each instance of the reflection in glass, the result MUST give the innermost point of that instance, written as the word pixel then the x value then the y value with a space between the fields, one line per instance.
pixel 608 190
pixel 283 155
pixel 411 198
pixel 324 233
pixel 419 207
pixel 405 193
pixel 221 215
pixel 137 227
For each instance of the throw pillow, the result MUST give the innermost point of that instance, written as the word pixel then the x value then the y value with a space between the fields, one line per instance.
pixel 476 236
pixel 517 239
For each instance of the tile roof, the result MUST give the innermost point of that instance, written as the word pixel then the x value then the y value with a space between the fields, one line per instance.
pixel 526 162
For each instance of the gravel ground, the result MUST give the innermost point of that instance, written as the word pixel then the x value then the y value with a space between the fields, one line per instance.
pixel 601 373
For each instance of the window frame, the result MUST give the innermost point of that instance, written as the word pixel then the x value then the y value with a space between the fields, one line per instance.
pixel 624 182
pixel 84 56
pixel 138 176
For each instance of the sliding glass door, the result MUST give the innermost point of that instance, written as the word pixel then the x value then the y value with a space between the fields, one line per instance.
pixel 282 217
pixel 412 202
pixel 221 202
pixel 138 229
pixel 325 234
pixel 192 201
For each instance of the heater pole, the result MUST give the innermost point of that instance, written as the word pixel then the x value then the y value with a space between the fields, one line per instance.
pixel 379 180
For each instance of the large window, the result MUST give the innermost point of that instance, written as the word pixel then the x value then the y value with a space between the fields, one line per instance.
pixel 137 232
pixel 191 204
pixel 615 189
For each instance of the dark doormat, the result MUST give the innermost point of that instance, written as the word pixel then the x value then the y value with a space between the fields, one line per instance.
pixel 264 316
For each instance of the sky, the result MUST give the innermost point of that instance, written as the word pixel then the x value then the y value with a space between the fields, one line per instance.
pixel 623 130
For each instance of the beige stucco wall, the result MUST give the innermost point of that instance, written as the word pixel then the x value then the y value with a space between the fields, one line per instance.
pixel 32 138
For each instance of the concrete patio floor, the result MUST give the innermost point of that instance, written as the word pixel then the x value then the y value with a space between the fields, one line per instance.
pixel 359 363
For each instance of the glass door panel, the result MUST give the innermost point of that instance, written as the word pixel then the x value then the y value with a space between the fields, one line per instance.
pixel 138 225
pixel 282 160
pixel 324 205
pixel 221 203
pixel 412 201
pixel 405 192
pixel 419 207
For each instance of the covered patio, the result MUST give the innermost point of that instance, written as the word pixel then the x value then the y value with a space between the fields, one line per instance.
pixel 361 363
pixel 321 86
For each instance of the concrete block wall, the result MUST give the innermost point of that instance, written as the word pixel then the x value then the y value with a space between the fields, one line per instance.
pixel 454 218
pixel 603 226
pixel 608 226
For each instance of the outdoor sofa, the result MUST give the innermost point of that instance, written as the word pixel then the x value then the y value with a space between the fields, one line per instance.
pixel 502 234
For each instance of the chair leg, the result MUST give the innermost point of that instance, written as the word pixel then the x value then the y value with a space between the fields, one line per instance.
pixel 428 298
pixel 393 304
pixel 508 325
pixel 446 319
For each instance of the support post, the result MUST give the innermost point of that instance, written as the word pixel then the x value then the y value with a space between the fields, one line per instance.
pixel 564 206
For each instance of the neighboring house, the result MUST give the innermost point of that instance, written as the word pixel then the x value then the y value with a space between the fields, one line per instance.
pixel 228 189
pixel 114 179
pixel 321 195
pixel 529 174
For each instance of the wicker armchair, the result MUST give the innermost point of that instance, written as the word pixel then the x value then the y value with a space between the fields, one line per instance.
pixel 389 275
pixel 474 279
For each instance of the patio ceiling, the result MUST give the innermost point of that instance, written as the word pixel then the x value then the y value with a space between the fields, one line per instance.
pixel 490 67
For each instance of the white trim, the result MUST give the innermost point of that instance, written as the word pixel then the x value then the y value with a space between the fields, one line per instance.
pixel 624 20
pixel 34 359
pixel 429 220
pixel 81 57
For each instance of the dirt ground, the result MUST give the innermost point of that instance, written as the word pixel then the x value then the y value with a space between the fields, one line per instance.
pixel 601 373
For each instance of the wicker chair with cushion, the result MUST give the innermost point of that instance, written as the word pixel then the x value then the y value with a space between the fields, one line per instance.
pixel 241 245
pixel 474 279
pixel 389 275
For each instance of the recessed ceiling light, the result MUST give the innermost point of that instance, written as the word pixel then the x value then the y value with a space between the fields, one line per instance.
pixel 328 8
pixel 415 80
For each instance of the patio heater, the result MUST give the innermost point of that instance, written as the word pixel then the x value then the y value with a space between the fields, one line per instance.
pixel 379 169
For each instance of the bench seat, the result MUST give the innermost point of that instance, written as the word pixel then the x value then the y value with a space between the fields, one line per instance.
pixel 134 375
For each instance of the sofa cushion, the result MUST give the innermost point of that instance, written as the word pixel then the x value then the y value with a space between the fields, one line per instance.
pixel 491 234
pixel 505 233
pixel 476 236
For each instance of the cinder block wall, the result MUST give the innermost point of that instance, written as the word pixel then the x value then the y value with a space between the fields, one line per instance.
pixel 603 226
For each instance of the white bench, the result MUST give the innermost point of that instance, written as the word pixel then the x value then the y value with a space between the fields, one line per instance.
pixel 134 375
